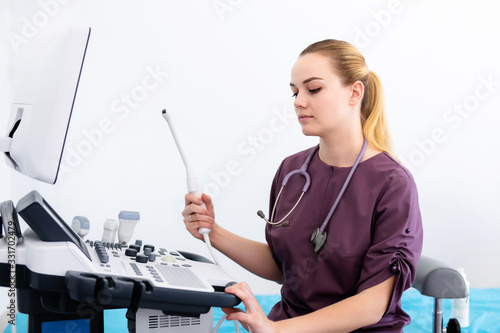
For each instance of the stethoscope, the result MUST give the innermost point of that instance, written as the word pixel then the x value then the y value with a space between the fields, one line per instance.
pixel 319 235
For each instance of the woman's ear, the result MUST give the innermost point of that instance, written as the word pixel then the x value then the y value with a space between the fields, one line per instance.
pixel 357 91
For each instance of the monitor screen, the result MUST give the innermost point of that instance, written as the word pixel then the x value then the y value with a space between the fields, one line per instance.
pixel 44 77
pixel 46 223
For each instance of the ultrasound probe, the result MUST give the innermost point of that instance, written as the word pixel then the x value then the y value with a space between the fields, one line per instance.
pixel 191 180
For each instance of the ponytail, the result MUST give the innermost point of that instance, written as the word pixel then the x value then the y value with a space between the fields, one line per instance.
pixel 373 117
pixel 350 65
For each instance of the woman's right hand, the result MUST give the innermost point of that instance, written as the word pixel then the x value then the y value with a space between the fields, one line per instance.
pixel 196 216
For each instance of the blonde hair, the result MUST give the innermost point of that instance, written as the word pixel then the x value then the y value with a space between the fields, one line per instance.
pixel 350 65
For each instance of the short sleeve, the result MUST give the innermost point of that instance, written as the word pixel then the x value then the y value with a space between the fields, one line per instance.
pixel 397 237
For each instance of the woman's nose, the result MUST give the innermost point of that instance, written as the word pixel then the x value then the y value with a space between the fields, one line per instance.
pixel 300 101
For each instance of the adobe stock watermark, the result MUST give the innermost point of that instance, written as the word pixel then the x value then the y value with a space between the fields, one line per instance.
pixel 95 305
pixel 39 20
pixel 453 117
pixel 301 273
pixel 11 257
pixel 223 7
pixel 380 20
pixel 249 148
pixel 121 108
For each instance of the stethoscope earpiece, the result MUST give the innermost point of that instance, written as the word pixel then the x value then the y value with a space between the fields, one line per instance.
pixel 279 224
pixel 318 237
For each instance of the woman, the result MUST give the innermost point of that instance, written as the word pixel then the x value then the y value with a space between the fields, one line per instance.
pixel 344 259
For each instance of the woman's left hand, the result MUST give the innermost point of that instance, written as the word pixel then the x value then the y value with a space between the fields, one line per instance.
pixel 254 317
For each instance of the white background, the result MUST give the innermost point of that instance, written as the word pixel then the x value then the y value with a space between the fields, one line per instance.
pixel 223 68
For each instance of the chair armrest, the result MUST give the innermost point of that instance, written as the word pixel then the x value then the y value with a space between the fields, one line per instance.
pixel 438 280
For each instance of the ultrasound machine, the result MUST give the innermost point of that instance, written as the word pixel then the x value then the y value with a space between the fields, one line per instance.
pixel 63 283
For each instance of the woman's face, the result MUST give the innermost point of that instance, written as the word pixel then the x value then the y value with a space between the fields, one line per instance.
pixel 322 103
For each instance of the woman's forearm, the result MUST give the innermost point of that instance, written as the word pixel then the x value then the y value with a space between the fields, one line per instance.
pixel 254 256
pixel 363 309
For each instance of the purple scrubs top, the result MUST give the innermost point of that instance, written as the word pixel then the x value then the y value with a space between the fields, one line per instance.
pixel 375 233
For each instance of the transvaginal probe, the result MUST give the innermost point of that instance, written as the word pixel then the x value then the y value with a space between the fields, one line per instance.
pixel 193 187
pixel 191 180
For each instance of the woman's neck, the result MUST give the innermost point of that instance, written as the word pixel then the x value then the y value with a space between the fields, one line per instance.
pixel 341 150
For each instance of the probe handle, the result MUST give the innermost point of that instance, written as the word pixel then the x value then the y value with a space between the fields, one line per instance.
pixel 192 184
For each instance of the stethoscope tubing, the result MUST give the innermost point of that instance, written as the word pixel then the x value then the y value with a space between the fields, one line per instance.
pixel 344 187
pixel 303 171
pixel 290 212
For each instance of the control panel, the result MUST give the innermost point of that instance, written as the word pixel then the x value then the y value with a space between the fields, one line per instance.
pixel 57 265
pixel 163 267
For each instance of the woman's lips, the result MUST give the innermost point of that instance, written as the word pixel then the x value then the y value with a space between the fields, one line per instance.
pixel 304 117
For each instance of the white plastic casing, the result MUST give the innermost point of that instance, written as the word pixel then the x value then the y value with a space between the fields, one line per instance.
pixel 109 231
pixel 128 220
pixel 45 79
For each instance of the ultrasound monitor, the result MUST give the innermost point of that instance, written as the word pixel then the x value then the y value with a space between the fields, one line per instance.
pixel 44 77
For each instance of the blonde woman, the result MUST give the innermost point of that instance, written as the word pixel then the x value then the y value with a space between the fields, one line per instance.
pixel 343 240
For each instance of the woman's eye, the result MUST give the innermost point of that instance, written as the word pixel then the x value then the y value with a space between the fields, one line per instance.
pixel 311 91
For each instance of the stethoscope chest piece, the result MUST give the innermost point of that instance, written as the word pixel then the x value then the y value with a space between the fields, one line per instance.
pixel 318 237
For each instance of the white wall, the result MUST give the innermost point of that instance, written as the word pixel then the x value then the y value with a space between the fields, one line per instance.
pixel 223 66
